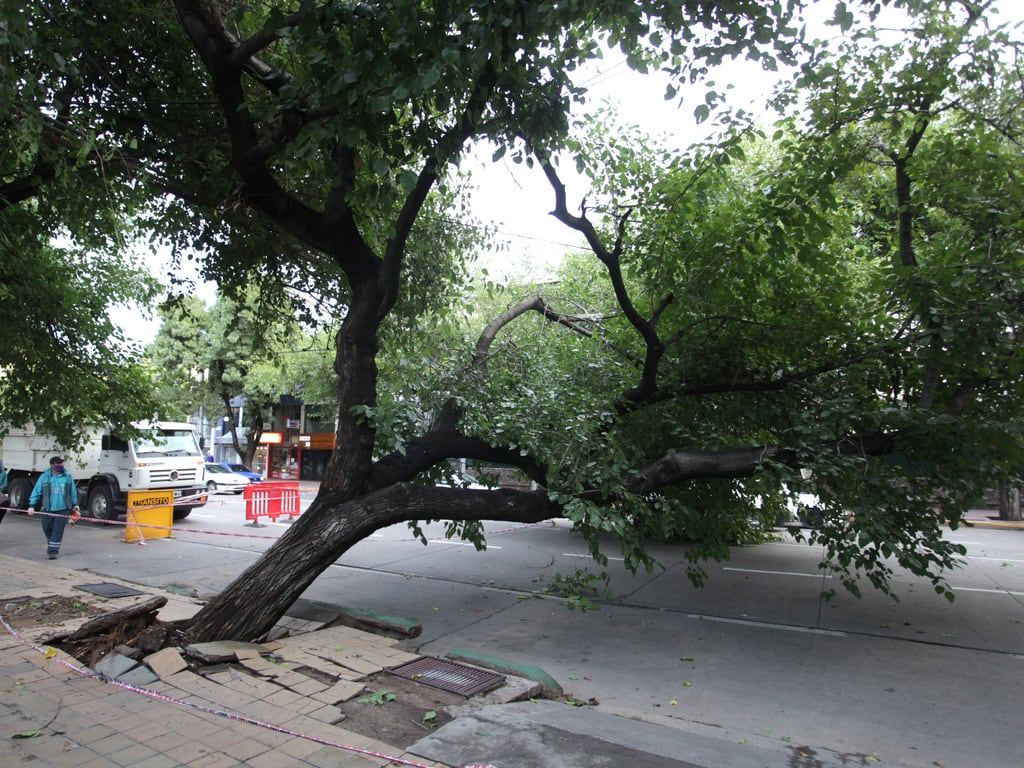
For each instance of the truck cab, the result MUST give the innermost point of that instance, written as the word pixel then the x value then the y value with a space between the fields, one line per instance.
pixel 165 456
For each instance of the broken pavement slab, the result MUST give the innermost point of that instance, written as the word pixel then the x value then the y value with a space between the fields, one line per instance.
pixel 166 662
pixel 113 665
pixel 218 651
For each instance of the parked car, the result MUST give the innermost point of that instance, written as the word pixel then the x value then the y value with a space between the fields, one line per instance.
pixel 241 469
pixel 220 478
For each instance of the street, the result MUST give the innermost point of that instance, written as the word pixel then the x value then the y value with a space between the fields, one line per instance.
pixel 757 657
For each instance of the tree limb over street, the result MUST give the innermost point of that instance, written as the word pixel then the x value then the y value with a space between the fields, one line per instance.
pixel 833 308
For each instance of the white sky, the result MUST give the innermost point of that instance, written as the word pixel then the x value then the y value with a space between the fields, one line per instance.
pixel 518 201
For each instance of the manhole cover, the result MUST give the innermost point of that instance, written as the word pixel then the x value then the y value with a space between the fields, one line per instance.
pixel 106 589
pixel 448 675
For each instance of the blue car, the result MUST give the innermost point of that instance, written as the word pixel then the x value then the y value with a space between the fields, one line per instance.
pixel 241 469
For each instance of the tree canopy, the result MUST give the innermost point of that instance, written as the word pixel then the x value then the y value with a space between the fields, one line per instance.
pixel 835 305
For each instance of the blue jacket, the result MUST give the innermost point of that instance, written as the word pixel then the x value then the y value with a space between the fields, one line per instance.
pixel 57 492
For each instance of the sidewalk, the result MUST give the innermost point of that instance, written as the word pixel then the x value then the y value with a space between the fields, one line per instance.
pixel 989 518
pixel 272 705
pixel 55 712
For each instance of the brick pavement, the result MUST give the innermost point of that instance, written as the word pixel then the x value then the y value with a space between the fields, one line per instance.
pixel 269 716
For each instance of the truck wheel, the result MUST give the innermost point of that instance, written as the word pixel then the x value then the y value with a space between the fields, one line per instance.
pixel 19 491
pixel 101 504
pixel 211 486
pixel 180 513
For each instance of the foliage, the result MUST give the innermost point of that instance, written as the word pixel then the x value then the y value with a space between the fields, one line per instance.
pixel 65 365
pixel 379 698
pixel 209 356
pixel 840 299
pixel 578 589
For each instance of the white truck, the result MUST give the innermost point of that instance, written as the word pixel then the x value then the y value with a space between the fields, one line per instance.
pixel 165 457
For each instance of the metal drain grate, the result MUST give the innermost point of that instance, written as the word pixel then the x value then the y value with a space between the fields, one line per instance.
pixel 106 589
pixel 448 675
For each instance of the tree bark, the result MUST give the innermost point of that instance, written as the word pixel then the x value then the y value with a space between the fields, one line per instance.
pixel 250 606
pixel 1009 502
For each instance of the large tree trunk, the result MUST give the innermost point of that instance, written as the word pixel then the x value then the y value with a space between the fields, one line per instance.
pixel 1009 502
pixel 251 605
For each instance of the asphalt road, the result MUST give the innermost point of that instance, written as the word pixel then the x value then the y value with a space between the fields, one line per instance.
pixel 756 658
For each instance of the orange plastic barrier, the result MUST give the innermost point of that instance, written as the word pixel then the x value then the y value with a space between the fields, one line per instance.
pixel 271 500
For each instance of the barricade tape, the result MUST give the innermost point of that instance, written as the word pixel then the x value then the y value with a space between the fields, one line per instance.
pixel 86 672
pixel 134 524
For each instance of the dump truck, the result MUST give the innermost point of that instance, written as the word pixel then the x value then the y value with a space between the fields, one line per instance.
pixel 165 456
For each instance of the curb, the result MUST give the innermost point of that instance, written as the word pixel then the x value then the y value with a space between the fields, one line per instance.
pixel 551 689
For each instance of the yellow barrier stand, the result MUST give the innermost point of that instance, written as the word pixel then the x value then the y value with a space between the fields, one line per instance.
pixel 149 508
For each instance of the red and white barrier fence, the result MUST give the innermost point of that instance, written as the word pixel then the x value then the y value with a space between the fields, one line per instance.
pixel 271 499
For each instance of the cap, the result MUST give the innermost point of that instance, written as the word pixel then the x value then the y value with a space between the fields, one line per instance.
pixel 56 460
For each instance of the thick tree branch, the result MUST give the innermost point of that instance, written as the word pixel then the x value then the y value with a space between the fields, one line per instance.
pixel 530 304
pixel 201 22
pixel 685 466
pixel 655 348
pixel 436 447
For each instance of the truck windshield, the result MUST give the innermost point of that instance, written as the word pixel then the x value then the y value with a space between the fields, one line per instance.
pixel 167 442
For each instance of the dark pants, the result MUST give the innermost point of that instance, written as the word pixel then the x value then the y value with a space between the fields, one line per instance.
pixel 53 529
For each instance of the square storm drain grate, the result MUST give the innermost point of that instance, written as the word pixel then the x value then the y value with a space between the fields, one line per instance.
pixel 448 675
pixel 106 589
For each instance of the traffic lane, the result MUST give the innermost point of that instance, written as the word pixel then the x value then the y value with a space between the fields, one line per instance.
pixel 976 621
pixel 747 592
pixel 782 583
pixel 522 557
pixel 443 607
pixel 747 681
pixel 991 568
pixel 774 583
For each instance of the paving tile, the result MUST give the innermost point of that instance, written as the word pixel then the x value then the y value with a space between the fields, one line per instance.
pixel 343 690
pixel 95 762
pixel 158 761
pixel 327 714
pixel 243 750
pixel 31 674
pixel 115 742
pixel 298 747
pixel 93 733
pixel 283 698
pixel 273 760
pixel 129 756
pixel 166 662
pixel 215 761
pixel 309 687
pixel 188 750
pixel 332 757
pixel 59 749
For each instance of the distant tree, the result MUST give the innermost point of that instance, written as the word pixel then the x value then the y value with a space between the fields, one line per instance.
pixel 207 357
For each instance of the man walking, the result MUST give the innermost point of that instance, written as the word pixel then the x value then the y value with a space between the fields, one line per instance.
pixel 56 496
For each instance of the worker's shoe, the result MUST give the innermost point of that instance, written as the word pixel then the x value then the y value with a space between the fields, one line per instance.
pixel 53 555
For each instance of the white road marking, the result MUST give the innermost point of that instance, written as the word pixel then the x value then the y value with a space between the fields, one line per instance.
pixel 769 625
pixel 459 543
pixel 988 590
pixel 778 573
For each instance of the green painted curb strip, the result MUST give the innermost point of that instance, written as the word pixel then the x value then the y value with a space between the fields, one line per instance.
pixel 536 674
pixel 399 621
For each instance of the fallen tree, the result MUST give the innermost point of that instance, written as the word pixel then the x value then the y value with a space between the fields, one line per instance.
pixel 823 308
